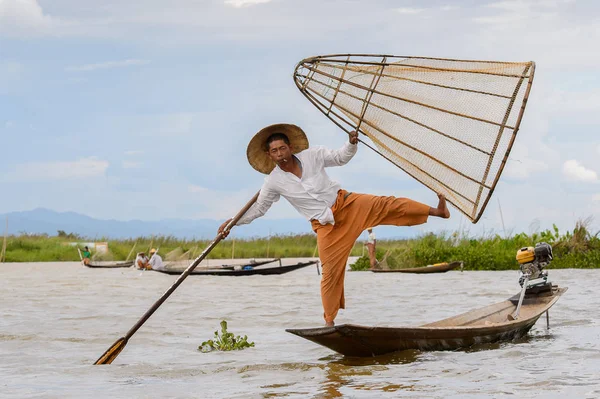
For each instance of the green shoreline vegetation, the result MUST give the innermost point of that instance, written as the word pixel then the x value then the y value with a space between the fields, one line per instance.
pixel 574 249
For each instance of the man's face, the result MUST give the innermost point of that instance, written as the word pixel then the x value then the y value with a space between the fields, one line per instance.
pixel 280 152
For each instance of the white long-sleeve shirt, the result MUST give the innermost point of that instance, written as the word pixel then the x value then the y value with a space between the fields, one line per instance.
pixel 140 261
pixel 313 195
pixel 371 239
pixel 156 262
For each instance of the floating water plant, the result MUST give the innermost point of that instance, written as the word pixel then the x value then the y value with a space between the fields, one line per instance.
pixel 226 341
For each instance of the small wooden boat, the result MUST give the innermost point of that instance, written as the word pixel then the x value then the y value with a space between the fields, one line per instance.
pixel 249 271
pixel 180 266
pixel 485 325
pixel 437 268
pixel 109 264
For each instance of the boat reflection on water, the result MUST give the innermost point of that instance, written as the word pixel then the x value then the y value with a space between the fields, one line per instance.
pixel 343 372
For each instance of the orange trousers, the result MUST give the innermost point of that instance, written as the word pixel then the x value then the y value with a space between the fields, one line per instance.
pixel 353 214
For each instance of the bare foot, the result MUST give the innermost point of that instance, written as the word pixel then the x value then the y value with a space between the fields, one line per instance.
pixel 329 324
pixel 442 208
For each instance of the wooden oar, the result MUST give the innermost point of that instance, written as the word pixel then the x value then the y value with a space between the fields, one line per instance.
pixel 117 347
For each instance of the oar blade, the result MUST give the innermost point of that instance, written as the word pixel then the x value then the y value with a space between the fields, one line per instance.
pixel 112 352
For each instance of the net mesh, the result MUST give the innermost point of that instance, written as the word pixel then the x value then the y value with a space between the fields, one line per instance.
pixel 448 123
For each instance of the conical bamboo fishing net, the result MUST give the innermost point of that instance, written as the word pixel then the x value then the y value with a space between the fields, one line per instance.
pixel 450 124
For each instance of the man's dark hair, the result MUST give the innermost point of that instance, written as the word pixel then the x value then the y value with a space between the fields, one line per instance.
pixel 274 137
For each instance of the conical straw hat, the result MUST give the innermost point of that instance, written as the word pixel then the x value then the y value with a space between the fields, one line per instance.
pixel 257 151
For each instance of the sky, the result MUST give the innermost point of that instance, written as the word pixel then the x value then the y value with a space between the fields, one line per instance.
pixel 142 109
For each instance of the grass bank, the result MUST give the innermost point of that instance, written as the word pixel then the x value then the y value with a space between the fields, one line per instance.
pixel 573 249
pixel 42 248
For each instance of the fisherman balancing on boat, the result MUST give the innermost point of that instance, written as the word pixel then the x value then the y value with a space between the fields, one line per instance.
pixel 338 217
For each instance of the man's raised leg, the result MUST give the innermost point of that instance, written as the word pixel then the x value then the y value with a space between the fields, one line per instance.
pixel 442 210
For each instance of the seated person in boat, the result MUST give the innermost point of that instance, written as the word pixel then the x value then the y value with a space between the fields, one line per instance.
pixel 156 262
pixel 142 261
pixel 87 255
pixel 371 242
pixel 337 216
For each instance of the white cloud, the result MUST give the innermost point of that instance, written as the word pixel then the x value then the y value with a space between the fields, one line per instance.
pixel 575 171
pixel 106 65
pixel 596 197
pixel 538 30
pixel 19 17
pixel 245 3
pixel 410 11
pixel 449 8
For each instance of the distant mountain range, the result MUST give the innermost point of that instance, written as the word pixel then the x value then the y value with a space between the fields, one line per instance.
pixel 46 221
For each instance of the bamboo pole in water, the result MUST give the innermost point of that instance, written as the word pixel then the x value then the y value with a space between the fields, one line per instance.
pixel 130 252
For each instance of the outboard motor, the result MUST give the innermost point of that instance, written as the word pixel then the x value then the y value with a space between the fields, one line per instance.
pixel 533 260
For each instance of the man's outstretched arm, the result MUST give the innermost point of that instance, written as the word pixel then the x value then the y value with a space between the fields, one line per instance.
pixel 343 155
pixel 266 198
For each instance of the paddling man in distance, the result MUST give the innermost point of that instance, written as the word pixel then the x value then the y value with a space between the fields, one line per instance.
pixel 371 243
pixel 338 217
pixel 87 255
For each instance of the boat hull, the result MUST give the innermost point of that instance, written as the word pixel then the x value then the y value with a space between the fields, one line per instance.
pixel 251 272
pixel 422 270
pixel 109 265
pixel 485 325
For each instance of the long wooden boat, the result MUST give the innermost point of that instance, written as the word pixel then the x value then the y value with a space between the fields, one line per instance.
pixel 106 264
pixel 437 268
pixel 179 266
pixel 485 325
pixel 245 272
pixel 109 264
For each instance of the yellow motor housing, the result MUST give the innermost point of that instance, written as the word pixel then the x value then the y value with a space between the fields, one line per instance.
pixel 525 255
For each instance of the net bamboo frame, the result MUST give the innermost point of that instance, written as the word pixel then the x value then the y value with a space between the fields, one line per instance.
pixel 450 124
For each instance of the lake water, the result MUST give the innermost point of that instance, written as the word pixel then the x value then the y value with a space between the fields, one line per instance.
pixel 56 319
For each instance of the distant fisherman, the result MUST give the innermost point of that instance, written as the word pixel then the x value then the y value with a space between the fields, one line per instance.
pixel 156 262
pixel 87 255
pixel 338 217
pixel 371 246
pixel 141 261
